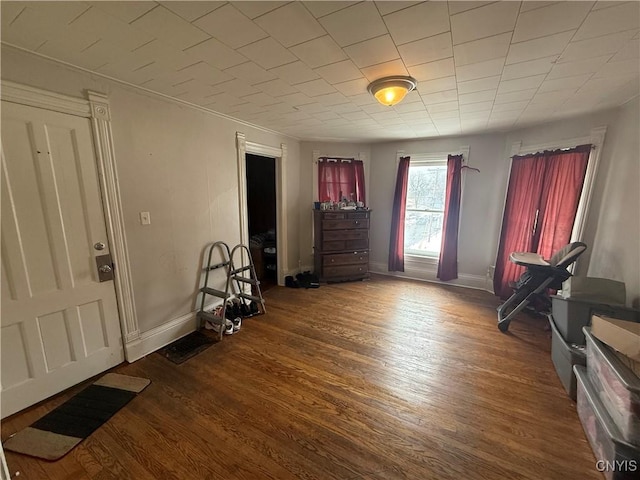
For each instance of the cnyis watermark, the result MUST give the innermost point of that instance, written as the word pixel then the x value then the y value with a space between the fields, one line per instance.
pixel 617 466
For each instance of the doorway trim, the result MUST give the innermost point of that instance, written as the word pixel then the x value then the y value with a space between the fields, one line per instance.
pixel 96 108
pixel 280 156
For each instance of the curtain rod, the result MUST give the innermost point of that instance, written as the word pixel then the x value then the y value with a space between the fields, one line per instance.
pixel 577 148
pixel 336 158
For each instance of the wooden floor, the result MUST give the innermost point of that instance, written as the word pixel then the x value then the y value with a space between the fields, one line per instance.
pixel 385 379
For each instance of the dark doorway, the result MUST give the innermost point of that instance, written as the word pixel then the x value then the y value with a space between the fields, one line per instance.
pixel 261 208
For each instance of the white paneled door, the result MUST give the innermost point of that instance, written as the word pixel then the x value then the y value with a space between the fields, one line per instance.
pixel 60 324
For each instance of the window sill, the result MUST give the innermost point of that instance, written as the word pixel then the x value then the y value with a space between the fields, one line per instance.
pixel 420 259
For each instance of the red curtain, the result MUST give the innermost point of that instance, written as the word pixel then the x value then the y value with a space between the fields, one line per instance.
pixel 564 177
pixel 542 199
pixel 341 179
pixel 396 240
pixel 448 261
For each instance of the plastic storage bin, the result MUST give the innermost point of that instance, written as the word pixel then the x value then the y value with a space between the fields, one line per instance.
pixel 564 357
pixel 616 458
pixel 616 386
pixel 571 315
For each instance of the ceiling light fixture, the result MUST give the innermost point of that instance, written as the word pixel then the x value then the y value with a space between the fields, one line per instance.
pixel 391 90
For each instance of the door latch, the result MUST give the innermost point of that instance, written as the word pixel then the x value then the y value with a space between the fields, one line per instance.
pixel 104 263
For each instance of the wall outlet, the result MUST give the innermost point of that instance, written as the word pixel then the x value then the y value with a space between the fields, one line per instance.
pixel 145 218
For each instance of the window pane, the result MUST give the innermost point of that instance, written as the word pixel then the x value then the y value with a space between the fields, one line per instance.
pixel 423 233
pixel 426 189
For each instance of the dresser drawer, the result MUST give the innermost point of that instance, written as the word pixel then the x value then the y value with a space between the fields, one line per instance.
pixel 341 245
pixel 329 235
pixel 345 259
pixel 334 215
pixel 345 271
pixel 362 223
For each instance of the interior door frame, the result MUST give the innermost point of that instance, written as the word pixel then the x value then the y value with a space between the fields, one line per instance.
pixel 95 107
pixel 280 156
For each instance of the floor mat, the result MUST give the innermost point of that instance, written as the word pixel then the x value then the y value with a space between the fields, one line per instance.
pixel 55 434
pixel 186 347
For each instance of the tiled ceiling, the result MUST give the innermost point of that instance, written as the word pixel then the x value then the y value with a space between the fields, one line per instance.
pixel 302 68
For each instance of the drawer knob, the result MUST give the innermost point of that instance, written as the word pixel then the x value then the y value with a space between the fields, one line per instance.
pixel 333 260
pixel 356 222
pixel 361 258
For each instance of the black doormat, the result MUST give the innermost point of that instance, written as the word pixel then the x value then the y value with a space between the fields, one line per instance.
pixel 186 347
pixel 59 431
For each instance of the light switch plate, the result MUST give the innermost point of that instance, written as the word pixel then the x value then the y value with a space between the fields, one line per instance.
pixel 145 218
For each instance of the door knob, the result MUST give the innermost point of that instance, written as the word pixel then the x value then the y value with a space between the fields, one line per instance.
pixel 105 269
pixel 99 246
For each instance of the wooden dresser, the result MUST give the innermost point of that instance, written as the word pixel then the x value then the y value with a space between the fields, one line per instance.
pixel 341 244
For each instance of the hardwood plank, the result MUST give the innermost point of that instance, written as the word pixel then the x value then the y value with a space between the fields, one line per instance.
pixel 384 379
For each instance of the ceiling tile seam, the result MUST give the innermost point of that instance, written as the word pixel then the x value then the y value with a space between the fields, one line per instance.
pixel 203 15
pixel 470 9
pixel 219 40
pixel 273 10
pixel 89 46
pixel 335 11
pixel 485 38
pixel 422 38
pixel 403 8
pixel 504 64
pixel 143 14
pixel 159 94
pixel 609 5
pixel 89 7
pixel 579 27
pixel 604 35
pixel 144 45
pixel 549 35
pixel 538 7
pixel 555 63
pixel 17 16
pixel 373 38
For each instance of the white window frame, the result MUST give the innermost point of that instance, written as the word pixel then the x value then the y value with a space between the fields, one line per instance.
pixel 424 158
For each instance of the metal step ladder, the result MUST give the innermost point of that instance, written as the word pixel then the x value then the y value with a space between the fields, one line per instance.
pixel 235 281
pixel 244 275
pixel 206 290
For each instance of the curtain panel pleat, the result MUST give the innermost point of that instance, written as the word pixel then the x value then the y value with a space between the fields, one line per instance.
pixel 396 240
pixel 448 260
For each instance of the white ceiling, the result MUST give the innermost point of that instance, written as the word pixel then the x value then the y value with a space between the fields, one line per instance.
pixel 302 68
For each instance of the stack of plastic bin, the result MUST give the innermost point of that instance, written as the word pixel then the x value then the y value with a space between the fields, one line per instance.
pixel 608 397
pixel 570 312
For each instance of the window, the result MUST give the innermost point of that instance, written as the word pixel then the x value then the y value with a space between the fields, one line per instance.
pixel 424 215
pixel 339 179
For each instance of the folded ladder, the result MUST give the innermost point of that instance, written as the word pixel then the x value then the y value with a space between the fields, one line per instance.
pixel 235 281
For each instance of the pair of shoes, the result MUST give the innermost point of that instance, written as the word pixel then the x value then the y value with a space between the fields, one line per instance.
pixel 229 328
pixel 232 326
pixel 233 309
pixel 253 308
pixel 214 326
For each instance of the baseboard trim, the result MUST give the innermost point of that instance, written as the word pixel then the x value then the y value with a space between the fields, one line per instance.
pixel 427 273
pixel 163 335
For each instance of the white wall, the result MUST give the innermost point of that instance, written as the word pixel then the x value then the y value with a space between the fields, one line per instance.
pixel 615 223
pixel 347 150
pixel 177 163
